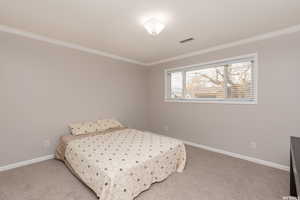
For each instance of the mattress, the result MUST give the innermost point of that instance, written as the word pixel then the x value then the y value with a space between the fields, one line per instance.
pixel 121 164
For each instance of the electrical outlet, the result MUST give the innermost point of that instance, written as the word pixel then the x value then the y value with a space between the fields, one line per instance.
pixel 253 145
pixel 166 128
pixel 47 143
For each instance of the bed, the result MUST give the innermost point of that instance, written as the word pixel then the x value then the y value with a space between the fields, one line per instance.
pixel 121 163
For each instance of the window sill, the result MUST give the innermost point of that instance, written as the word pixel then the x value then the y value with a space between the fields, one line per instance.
pixel 254 102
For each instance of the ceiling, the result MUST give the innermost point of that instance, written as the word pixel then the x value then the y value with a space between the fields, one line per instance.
pixel 115 26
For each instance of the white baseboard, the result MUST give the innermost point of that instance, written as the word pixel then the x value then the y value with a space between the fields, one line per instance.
pixel 236 155
pixel 26 162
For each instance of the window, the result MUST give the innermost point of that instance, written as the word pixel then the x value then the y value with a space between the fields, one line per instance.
pixel 228 81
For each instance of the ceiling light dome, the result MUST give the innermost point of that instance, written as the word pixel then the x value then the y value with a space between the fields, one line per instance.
pixel 154 26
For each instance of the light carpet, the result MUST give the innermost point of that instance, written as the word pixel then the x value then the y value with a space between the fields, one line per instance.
pixel 208 176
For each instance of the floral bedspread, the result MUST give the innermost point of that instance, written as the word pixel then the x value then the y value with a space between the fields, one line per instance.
pixel 121 164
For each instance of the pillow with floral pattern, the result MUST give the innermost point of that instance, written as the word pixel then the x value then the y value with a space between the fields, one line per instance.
pixel 106 124
pixel 84 128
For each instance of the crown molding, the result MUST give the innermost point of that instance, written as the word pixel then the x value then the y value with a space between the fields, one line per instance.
pixel 70 45
pixel 289 30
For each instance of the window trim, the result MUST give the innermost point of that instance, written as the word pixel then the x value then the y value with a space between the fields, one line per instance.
pixel 210 64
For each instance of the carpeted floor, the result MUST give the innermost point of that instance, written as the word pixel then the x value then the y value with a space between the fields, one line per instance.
pixel 208 176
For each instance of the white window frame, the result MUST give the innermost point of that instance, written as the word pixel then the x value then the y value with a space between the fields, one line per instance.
pixel 215 63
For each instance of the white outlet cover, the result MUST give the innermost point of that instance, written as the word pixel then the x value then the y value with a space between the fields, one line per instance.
pixel 253 145
pixel 46 143
pixel 166 128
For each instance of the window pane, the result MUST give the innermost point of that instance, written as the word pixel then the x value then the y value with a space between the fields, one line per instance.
pixel 205 83
pixel 230 81
pixel 176 85
pixel 239 80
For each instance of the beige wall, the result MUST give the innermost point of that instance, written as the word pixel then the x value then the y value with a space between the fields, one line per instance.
pixel 232 127
pixel 44 87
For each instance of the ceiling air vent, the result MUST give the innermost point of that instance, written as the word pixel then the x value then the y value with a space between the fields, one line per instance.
pixel 186 40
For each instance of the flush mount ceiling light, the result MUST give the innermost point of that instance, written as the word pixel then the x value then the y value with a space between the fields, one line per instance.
pixel 153 26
